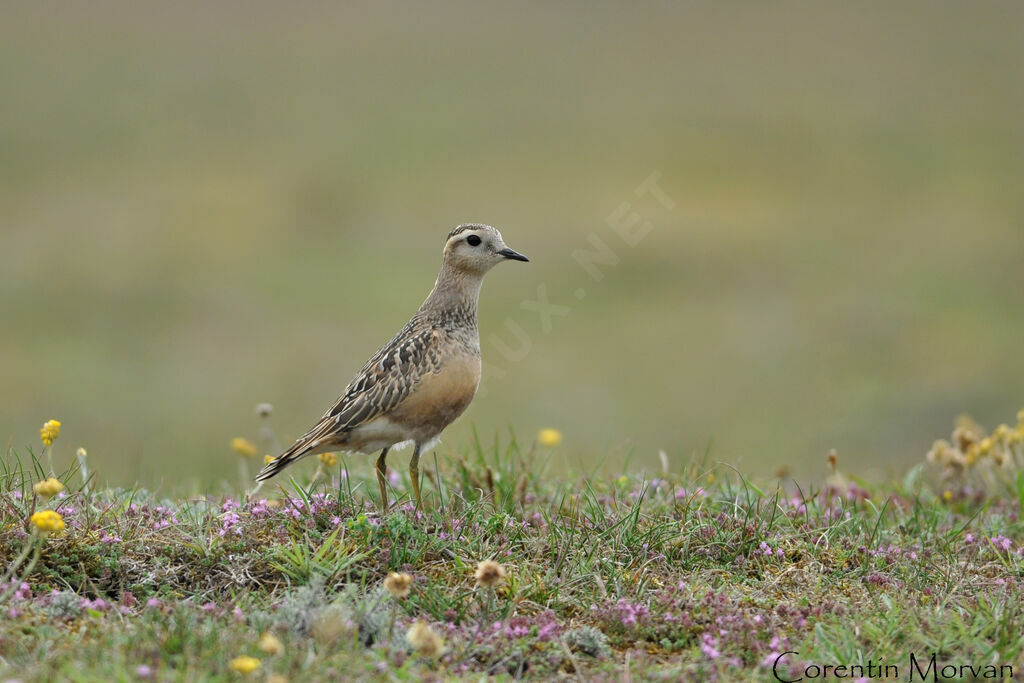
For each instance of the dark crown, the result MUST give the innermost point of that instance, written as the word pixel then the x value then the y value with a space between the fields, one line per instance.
pixel 459 229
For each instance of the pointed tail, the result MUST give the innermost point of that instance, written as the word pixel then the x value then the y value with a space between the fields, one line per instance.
pixel 296 451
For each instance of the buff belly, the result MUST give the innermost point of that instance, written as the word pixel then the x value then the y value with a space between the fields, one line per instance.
pixel 434 403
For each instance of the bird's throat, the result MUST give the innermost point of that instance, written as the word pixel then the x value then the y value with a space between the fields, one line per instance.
pixel 454 290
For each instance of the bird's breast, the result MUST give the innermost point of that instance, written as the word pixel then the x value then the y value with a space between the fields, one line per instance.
pixel 441 396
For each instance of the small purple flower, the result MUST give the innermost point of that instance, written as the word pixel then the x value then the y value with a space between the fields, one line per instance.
pixel 630 614
pixel 547 631
pixel 99 604
pixel 708 645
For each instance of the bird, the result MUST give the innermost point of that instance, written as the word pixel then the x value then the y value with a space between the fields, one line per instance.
pixel 424 378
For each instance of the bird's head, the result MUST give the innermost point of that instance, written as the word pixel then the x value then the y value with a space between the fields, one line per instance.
pixel 476 248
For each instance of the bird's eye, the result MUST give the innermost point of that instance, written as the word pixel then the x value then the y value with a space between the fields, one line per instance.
pixel 473 241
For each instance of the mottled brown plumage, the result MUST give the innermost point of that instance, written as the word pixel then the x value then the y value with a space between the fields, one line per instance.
pixel 421 380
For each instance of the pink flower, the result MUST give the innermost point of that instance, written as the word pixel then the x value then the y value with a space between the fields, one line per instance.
pixel 630 614
pixel 547 631
pixel 99 604
pixel 708 646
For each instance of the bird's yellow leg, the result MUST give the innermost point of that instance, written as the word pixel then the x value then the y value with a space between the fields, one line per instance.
pixel 414 473
pixel 382 471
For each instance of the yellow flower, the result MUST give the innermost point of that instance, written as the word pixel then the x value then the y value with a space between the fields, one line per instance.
pixel 244 665
pixel 986 445
pixel 1001 432
pixel 267 459
pixel 47 522
pixel 489 574
pixel 244 447
pixel 549 437
pixel 48 488
pixel 398 585
pixel 328 459
pixel 965 436
pixel 50 432
pixel 941 452
pixel 947 495
pixel 623 480
pixel 424 639
pixel 270 644
pixel 1020 417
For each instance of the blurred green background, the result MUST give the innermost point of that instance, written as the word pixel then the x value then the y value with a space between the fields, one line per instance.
pixel 207 206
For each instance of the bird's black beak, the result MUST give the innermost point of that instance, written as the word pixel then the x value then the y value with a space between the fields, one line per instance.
pixel 513 254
